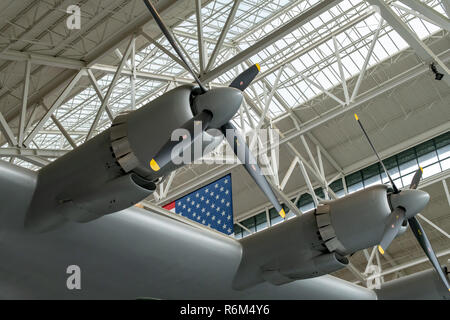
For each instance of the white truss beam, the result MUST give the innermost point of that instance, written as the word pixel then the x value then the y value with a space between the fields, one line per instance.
pixel 271 38
pixel 201 46
pixel 99 92
pixel 341 69
pixel 223 34
pixel 429 12
pixel 61 128
pixel 27 152
pixel 447 194
pixel 54 106
pixel 411 263
pixel 434 225
pixel 366 61
pixel 23 112
pixel 163 49
pixel 7 132
pixel 308 182
pixel 421 49
pixel 110 89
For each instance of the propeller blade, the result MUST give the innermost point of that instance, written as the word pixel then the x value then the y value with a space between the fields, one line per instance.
pixel 243 80
pixel 164 156
pixel 172 41
pixel 426 246
pixel 415 180
pixel 250 164
pixel 376 153
pixel 395 221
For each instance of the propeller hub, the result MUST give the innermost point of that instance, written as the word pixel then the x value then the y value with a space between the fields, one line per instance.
pixel 223 103
pixel 413 201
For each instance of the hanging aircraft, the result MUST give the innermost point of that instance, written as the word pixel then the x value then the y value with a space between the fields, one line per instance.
pixel 135 253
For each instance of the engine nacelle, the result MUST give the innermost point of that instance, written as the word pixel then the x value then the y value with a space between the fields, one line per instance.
pixel 117 194
pixel 316 242
pixel 111 171
pixel 286 252
pixel 317 266
pixel 354 222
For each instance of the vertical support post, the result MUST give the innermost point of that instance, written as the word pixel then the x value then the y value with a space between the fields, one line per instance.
pixel 201 48
pixel 23 113
pixel 344 184
pixel 308 182
pixel 444 184
pixel 322 172
pixel 133 74
pixel 341 70
pixel 269 223
pixel 366 61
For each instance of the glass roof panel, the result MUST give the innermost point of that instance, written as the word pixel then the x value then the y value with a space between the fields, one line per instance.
pixel 307 56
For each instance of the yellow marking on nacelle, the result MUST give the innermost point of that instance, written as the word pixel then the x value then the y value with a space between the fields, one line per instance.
pixel 381 249
pixel 154 165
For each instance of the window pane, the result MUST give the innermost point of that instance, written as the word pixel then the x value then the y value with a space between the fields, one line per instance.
pixel 407 162
pixel 261 226
pixel 444 152
pixel 261 221
pixel 273 213
pixel 336 186
pixel 249 223
pixel 340 193
pixel 398 182
pixel 355 187
pixel 371 175
pixel 407 179
pixel 353 178
pixel 237 231
pixel 319 193
pixel 442 140
pixel 307 207
pixel 445 164
pixel 274 217
pixel 276 220
pixel 426 153
pixel 431 170
pixel 304 200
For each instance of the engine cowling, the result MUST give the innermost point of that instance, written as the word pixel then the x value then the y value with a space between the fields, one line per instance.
pixel 115 195
pixel 354 222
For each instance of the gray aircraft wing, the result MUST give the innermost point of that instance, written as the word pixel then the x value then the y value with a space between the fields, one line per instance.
pixel 130 254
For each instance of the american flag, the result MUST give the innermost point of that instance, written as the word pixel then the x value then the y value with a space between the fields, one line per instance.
pixel 211 205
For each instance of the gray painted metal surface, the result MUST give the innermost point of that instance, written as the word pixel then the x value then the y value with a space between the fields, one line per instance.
pixel 129 254
pixel 136 253
pixel 424 285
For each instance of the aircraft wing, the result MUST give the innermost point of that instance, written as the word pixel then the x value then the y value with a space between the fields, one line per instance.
pixel 17 186
pixel 130 254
